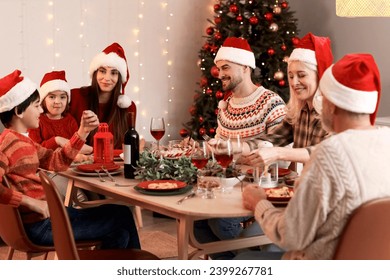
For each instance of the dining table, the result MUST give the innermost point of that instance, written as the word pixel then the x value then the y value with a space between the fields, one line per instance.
pixel 224 205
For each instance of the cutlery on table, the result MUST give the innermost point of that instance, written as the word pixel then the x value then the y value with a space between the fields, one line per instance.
pixel 100 177
pixel 108 174
pixel 123 185
pixel 191 194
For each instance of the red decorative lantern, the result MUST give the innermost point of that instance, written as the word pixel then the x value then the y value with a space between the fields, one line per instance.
pixel 103 145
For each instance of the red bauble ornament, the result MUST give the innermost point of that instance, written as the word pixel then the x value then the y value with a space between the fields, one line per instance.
pixel 217 20
pixel 214 71
pixel 212 131
pixel 206 46
pixel 219 94
pixel 295 40
pixel 282 83
pixel 253 20
pixel 214 48
pixel 283 47
pixel 239 18
pixel 217 36
pixel 202 131
pixel 183 132
pixel 192 110
pixel 203 81
pixel 210 31
pixel 233 8
pixel 216 111
pixel 209 91
pixel 268 16
pixel 200 119
pixel 284 5
pixel 196 96
pixel 271 51
pixel 217 7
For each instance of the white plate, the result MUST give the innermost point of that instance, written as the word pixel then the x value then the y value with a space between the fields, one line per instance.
pixel 94 174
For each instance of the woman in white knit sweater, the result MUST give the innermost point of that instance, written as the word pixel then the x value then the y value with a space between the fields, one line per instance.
pixel 344 171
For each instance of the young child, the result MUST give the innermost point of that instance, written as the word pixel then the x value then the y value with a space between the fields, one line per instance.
pixel 20 158
pixel 56 125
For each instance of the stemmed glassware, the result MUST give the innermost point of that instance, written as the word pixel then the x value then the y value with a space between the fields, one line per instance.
pixel 237 148
pixel 200 156
pixel 157 129
pixel 223 154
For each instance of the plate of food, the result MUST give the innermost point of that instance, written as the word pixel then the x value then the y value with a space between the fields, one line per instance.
pixel 161 185
pixel 279 194
pixel 95 174
pixel 92 167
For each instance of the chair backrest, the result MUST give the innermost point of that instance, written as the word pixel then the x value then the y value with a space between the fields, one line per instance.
pixel 63 237
pixel 12 230
pixel 366 236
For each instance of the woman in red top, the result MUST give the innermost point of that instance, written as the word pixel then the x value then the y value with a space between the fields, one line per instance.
pixel 106 95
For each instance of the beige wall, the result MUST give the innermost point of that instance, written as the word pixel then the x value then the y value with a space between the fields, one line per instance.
pixel 349 35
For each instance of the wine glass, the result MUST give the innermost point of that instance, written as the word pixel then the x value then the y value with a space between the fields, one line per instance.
pixel 157 129
pixel 237 148
pixel 223 154
pixel 200 155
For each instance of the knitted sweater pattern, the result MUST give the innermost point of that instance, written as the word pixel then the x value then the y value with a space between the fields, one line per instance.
pixel 344 172
pixel 252 115
pixel 20 158
pixel 48 129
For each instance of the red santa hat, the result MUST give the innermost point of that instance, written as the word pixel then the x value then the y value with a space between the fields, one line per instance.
pixel 14 90
pixel 313 50
pixel 236 50
pixel 53 81
pixel 114 56
pixel 353 84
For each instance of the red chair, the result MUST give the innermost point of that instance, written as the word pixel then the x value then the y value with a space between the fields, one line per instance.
pixel 64 242
pixel 366 236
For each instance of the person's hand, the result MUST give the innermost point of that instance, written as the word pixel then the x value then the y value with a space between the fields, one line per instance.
pixel 61 141
pixel 262 157
pixel 89 121
pixel 82 158
pixel 86 149
pixel 36 205
pixel 251 195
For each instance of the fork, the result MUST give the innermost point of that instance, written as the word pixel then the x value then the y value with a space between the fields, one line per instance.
pixel 100 177
pixel 108 174
pixel 191 194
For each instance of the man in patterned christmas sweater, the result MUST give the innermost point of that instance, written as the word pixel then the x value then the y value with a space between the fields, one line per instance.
pixel 250 109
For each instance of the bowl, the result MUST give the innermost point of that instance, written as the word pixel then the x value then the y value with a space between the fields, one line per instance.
pixel 229 183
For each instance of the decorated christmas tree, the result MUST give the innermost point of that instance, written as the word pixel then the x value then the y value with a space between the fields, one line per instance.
pixel 271 30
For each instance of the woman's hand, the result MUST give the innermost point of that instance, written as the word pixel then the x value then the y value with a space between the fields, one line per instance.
pixel 89 121
pixel 82 158
pixel 262 157
pixel 251 195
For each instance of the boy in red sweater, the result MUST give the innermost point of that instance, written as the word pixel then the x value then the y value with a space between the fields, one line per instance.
pixel 20 158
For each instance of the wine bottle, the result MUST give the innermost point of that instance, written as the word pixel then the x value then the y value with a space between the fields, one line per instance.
pixel 131 149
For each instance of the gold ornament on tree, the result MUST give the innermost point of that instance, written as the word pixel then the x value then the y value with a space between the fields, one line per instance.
pixel 279 75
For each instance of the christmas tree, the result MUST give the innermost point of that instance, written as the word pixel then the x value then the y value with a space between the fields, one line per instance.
pixel 271 30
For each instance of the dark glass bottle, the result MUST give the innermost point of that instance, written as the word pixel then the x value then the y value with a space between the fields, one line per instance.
pixel 131 149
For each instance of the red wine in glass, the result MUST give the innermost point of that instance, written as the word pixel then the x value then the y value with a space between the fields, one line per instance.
pixel 199 162
pixel 224 159
pixel 157 129
pixel 158 133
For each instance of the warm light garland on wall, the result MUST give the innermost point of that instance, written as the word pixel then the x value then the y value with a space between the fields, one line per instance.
pixel 363 8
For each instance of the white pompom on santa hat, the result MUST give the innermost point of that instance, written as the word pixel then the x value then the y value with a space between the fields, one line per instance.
pixel 54 81
pixel 236 50
pixel 114 56
pixel 14 90
pixel 353 84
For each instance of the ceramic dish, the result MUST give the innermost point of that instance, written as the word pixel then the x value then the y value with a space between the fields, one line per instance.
pixel 94 174
pixel 166 193
pixel 283 194
pixel 92 167
pixel 161 185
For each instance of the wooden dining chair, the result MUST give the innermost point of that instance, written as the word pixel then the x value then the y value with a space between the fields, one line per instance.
pixel 64 242
pixel 13 234
pixel 366 236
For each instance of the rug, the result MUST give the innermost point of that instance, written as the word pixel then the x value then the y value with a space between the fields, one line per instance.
pixel 160 243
